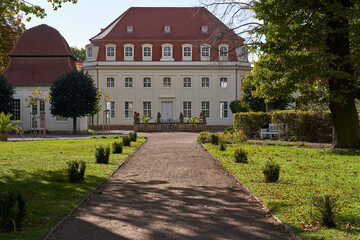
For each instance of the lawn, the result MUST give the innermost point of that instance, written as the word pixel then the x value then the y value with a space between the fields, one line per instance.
pixel 305 172
pixel 38 169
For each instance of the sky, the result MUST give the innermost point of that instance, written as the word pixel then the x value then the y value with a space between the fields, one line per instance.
pixel 80 22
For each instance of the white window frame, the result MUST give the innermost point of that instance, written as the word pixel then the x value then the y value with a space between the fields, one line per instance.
pixel 187 82
pixel 163 48
pixel 186 55
pixel 147 108
pixel 111 106
pixel 110 55
pixel 147 82
pixel 16 105
pixel 205 82
pixel 204 29
pixel 129 82
pixel 224 83
pixel 167 82
pixel 223 52
pixel 110 82
pixel 187 108
pixel 128 52
pixel 89 52
pixel 167 29
pixel 146 58
pixel 205 106
pixel 129 29
pixel 129 109
pixel 205 57
pixel 224 109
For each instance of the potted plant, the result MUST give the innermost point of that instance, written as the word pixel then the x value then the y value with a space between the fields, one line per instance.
pixel 6 124
pixel 192 121
pixel 145 120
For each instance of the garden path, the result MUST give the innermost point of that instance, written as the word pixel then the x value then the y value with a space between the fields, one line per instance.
pixel 170 189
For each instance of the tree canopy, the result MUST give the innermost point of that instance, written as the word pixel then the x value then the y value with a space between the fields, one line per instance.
pixel 79 53
pixel 73 95
pixel 6 95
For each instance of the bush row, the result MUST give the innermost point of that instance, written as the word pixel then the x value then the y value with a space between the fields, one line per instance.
pixel 309 126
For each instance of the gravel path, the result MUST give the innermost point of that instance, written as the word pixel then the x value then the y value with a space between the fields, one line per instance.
pixel 170 189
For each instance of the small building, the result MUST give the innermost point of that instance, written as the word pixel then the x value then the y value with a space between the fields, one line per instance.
pixel 39 56
pixel 167 60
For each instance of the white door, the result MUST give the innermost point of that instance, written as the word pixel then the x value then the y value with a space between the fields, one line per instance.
pixel 166 111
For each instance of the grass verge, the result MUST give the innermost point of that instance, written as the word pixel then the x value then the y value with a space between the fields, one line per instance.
pixel 305 172
pixel 38 169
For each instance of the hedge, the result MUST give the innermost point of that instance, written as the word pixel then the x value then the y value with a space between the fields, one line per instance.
pixel 308 126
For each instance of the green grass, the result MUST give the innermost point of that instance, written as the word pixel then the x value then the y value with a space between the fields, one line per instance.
pixel 305 172
pixel 38 169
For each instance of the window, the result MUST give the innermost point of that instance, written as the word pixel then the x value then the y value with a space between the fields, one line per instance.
pixel 205 107
pixel 187 82
pixel 128 82
pixel 60 118
pixel 186 52
pixel 241 54
pixel 223 109
pixel 204 29
pixel 147 109
pixel 223 82
pixel 146 52
pixel 110 52
pixel 187 109
pixel 167 52
pixel 110 82
pixel 16 109
pixel 147 82
pixel 90 52
pixel 111 106
pixel 42 106
pixel 205 82
pixel 167 82
pixel 129 29
pixel 128 109
pixel 205 53
pixel 129 52
pixel 223 52
pixel 167 29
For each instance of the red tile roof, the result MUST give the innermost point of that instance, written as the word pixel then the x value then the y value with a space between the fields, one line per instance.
pixel 148 23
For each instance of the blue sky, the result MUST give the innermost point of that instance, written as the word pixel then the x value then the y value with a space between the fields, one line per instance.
pixel 79 22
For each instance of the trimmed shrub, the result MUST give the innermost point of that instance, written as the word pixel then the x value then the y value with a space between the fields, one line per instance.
pixel 133 136
pixel 126 140
pixel 117 147
pixel 76 171
pixel 230 138
pixel 251 123
pixel 222 147
pixel 326 209
pixel 102 154
pixel 271 172
pixel 240 156
pixel 204 137
pixel 214 139
pixel 12 210
pixel 229 129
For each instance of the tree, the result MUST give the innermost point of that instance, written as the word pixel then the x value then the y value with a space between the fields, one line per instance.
pixel 73 95
pixel 311 47
pixel 6 95
pixel 10 30
pixel 79 53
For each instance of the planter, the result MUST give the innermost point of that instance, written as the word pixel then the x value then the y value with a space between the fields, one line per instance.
pixel 3 136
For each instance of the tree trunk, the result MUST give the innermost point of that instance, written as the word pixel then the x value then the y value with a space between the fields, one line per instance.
pixel 74 125
pixel 346 132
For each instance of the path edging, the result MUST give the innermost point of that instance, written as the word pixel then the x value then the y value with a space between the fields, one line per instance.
pixel 278 220
pixel 57 225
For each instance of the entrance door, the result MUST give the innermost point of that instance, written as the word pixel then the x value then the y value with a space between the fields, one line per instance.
pixel 167 111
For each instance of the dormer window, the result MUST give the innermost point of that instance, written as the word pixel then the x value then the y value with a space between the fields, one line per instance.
pixel 129 52
pixel 129 29
pixel 204 29
pixel 110 52
pixel 223 52
pixel 205 52
pixel 186 52
pixel 90 52
pixel 146 52
pixel 167 29
pixel 167 52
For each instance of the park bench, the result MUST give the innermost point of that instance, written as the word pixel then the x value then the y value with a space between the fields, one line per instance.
pixel 272 130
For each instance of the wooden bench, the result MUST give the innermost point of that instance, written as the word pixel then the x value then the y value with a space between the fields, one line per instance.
pixel 272 130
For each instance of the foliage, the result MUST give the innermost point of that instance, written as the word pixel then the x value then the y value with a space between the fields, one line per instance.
pixel 222 147
pixel 73 95
pixel 76 171
pixel 145 119
pixel 12 210
pixel 271 172
pixel 214 139
pixel 236 106
pixel 235 137
pixel 326 205
pixel 117 147
pixel 229 129
pixel 102 154
pixel 240 156
pixel 6 95
pixel 106 137
pixel 251 123
pixel 193 120
pixel 133 136
pixel 11 28
pixel 36 96
pixel 6 124
pixel 126 140
pixel 305 171
pixel 79 53
pixel 204 137
pixel 38 167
